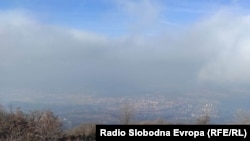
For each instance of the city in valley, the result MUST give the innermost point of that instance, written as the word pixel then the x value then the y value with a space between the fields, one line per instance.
pixel 146 108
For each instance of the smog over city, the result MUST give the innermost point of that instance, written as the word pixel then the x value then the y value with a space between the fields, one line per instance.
pixel 93 60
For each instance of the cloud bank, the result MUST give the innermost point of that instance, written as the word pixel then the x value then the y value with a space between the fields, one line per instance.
pixel 46 59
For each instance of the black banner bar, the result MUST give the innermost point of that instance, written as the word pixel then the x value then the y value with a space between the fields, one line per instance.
pixel 165 132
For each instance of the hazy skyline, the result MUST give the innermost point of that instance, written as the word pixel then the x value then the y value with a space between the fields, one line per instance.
pixel 117 48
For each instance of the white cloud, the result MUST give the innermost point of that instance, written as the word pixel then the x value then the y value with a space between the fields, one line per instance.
pixel 48 58
pixel 143 15
pixel 231 61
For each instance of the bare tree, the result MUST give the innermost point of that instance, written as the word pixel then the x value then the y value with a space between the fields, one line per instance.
pixel 242 117
pixel 13 125
pixel 3 119
pixel 203 120
pixel 38 126
pixel 127 113
pixel 85 131
pixel 47 125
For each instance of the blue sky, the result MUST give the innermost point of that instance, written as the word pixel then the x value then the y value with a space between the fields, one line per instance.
pixel 123 47
pixel 114 17
pixel 83 14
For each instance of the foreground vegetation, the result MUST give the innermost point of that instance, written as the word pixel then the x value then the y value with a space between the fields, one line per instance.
pixel 39 126
pixel 16 125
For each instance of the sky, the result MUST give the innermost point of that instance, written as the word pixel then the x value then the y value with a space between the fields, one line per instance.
pixel 123 48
